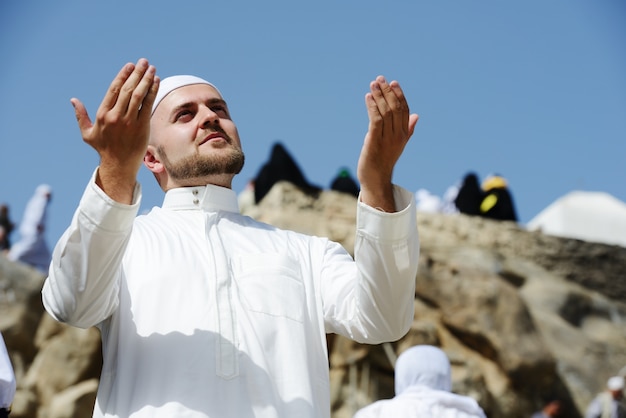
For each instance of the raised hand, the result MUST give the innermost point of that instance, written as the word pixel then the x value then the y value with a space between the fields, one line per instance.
pixel 122 128
pixel 390 127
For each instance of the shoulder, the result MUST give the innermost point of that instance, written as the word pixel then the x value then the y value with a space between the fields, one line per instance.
pixel 372 410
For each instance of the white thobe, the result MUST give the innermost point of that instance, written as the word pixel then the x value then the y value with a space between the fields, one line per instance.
pixel 605 406
pixel 207 313
pixel 31 248
pixel 423 402
pixel 422 383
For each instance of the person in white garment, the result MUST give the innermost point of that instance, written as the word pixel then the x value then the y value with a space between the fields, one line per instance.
pixel 32 248
pixel 7 380
pixel 423 386
pixel 205 312
pixel 609 403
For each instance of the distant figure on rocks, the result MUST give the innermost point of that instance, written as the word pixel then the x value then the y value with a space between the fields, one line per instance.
pixel 6 228
pixel 498 201
pixel 345 183
pixel 608 404
pixel 470 195
pixel 281 166
pixel 422 384
pixel 447 201
pixel 31 248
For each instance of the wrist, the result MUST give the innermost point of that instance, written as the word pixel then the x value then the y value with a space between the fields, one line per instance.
pixel 117 184
pixel 379 198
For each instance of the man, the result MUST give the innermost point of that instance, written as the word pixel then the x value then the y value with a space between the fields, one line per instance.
pixel 608 404
pixel 423 384
pixel 204 312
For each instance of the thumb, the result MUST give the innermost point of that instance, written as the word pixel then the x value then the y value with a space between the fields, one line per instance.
pixel 82 117
pixel 412 122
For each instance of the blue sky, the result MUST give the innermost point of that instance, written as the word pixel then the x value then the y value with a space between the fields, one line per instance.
pixel 534 90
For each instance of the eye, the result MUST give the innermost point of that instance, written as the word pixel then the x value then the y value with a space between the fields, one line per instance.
pixel 220 109
pixel 184 115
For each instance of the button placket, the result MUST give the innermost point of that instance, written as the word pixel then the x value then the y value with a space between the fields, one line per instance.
pixel 227 364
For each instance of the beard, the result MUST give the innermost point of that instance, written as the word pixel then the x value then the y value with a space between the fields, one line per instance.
pixel 199 165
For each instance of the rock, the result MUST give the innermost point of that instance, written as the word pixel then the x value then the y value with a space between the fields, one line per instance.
pixel 75 401
pixel 66 359
pixel 25 404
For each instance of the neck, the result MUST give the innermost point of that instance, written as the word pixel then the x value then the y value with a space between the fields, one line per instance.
pixel 222 180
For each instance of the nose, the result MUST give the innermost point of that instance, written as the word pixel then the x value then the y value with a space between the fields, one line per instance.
pixel 209 117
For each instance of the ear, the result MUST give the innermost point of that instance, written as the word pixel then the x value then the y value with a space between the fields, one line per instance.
pixel 152 162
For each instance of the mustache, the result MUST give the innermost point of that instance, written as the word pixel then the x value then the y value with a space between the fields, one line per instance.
pixel 218 129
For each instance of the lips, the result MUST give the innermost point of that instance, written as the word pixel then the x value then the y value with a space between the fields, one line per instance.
pixel 212 136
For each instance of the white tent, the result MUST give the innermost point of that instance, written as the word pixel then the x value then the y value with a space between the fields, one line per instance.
pixel 588 216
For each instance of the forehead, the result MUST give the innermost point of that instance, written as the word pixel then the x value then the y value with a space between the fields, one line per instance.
pixel 186 95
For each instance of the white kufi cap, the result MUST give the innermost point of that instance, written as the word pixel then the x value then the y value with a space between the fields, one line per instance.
pixel 170 84
pixel 615 383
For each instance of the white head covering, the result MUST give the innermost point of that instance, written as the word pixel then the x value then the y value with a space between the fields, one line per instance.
pixel 169 84
pixel 423 383
pixel 615 383
pixel 423 365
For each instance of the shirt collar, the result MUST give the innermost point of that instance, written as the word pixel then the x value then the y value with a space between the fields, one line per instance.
pixel 209 198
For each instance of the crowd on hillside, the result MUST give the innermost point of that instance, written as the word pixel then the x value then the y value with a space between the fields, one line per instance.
pixel 492 199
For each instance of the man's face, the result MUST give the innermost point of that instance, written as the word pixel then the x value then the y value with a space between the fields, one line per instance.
pixel 194 138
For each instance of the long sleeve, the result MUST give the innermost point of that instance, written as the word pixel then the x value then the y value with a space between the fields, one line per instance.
pixel 83 282
pixel 380 302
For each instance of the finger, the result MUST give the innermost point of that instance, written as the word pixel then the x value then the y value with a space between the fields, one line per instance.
pixel 380 89
pixel 400 106
pixel 394 114
pixel 84 123
pixel 148 101
pixel 378 109
pixel 139 94
pixel 412 123
pixel 116 86
pixel 375 118
pixel 128 88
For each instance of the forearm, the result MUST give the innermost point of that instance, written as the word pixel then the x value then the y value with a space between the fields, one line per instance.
pixel 386 253
pixel 372 301
pixel 83 283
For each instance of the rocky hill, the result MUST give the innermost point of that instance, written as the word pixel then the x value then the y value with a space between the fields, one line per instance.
pixel 520 314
